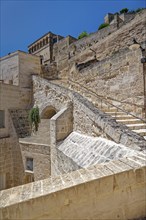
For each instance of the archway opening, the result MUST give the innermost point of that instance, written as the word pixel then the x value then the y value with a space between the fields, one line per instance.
pixel 48 113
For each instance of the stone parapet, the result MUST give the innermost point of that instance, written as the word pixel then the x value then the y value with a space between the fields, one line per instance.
pixel 115 190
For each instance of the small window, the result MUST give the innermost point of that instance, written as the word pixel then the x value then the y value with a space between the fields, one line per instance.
pixel 29 164
pixel 2 181
pixel 54 40
pixel 2 119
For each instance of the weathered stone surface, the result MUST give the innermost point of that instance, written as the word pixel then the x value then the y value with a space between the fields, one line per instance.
pixel 84 150
pixel 80 194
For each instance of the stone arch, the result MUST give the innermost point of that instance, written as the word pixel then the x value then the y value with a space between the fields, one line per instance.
pixel 48 112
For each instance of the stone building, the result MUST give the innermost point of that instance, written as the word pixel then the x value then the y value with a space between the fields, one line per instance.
pixel 87 159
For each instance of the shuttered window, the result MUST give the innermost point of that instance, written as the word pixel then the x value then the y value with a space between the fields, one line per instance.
pixel 2 119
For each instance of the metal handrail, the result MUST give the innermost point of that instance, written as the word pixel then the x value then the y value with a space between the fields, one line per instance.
pixel 101 98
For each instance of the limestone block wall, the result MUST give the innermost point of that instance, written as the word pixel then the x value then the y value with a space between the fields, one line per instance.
pixel 89 120
pixel 49 71
pixel 11 97
pixel 61 125
pixel 20 118
pixel 92 39
pixel 121 38
pixel 45 91
pixel 86 117
pixel 9 71
pixel 18 67
pixel 64 123
pixel 65 164
pixel 40 153
pixel 11 166
pixel 115 77
pixel 28 64
pixel 6 162
pixel 61 51
pixel 112 191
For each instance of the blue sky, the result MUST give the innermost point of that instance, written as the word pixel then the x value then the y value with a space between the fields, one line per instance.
pixel 23 21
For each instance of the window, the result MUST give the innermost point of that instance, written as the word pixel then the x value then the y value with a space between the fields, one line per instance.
pixel 29 164
pixel 2 181
pixel 2 118
pixel 46 40
pixel 54 40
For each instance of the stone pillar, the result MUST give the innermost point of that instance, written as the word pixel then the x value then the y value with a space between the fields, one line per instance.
pixel 61 125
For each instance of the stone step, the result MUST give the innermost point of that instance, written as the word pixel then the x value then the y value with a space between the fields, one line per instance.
pixel 136 126
pixel 123 117
pixel 141 132
pixel 109 109
pixel 129 121
pixel 115 113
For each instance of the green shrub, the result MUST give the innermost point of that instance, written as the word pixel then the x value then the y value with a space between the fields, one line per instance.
pixel 139 9
pixel 34 118
pixel 124 10
pixel 83 34
pixel 103 26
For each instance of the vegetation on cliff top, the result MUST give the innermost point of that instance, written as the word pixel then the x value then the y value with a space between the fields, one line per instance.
pixel 103 26
pixel 83 34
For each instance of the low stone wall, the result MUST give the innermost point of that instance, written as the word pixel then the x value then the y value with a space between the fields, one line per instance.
pixel 61 125
pixel 65 163
pixel 40 154
pixel 114 191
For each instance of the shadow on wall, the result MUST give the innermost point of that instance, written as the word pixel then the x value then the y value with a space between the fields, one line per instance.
pixel 48 112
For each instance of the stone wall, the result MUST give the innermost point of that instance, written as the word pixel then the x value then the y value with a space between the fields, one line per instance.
pixel 11 97
pixel 114 77
pixel 112 191
pixel 18 67
pixel 45 91
pixel 20 118
pixel 9 71
pixel 11 165
pixel 41 158
pixel 61 125
pixel 87 118
pixel 121 38
pixel 65 164
pixel 28 64
pixel 90 120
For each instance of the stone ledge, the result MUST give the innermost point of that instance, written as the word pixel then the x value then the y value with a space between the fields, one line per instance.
pixel 48 186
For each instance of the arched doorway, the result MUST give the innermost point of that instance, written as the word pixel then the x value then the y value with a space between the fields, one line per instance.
pixel 48 112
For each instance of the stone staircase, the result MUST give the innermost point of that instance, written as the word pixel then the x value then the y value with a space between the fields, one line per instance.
pixel 42 136
pixel 85 150
pixel 135 124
